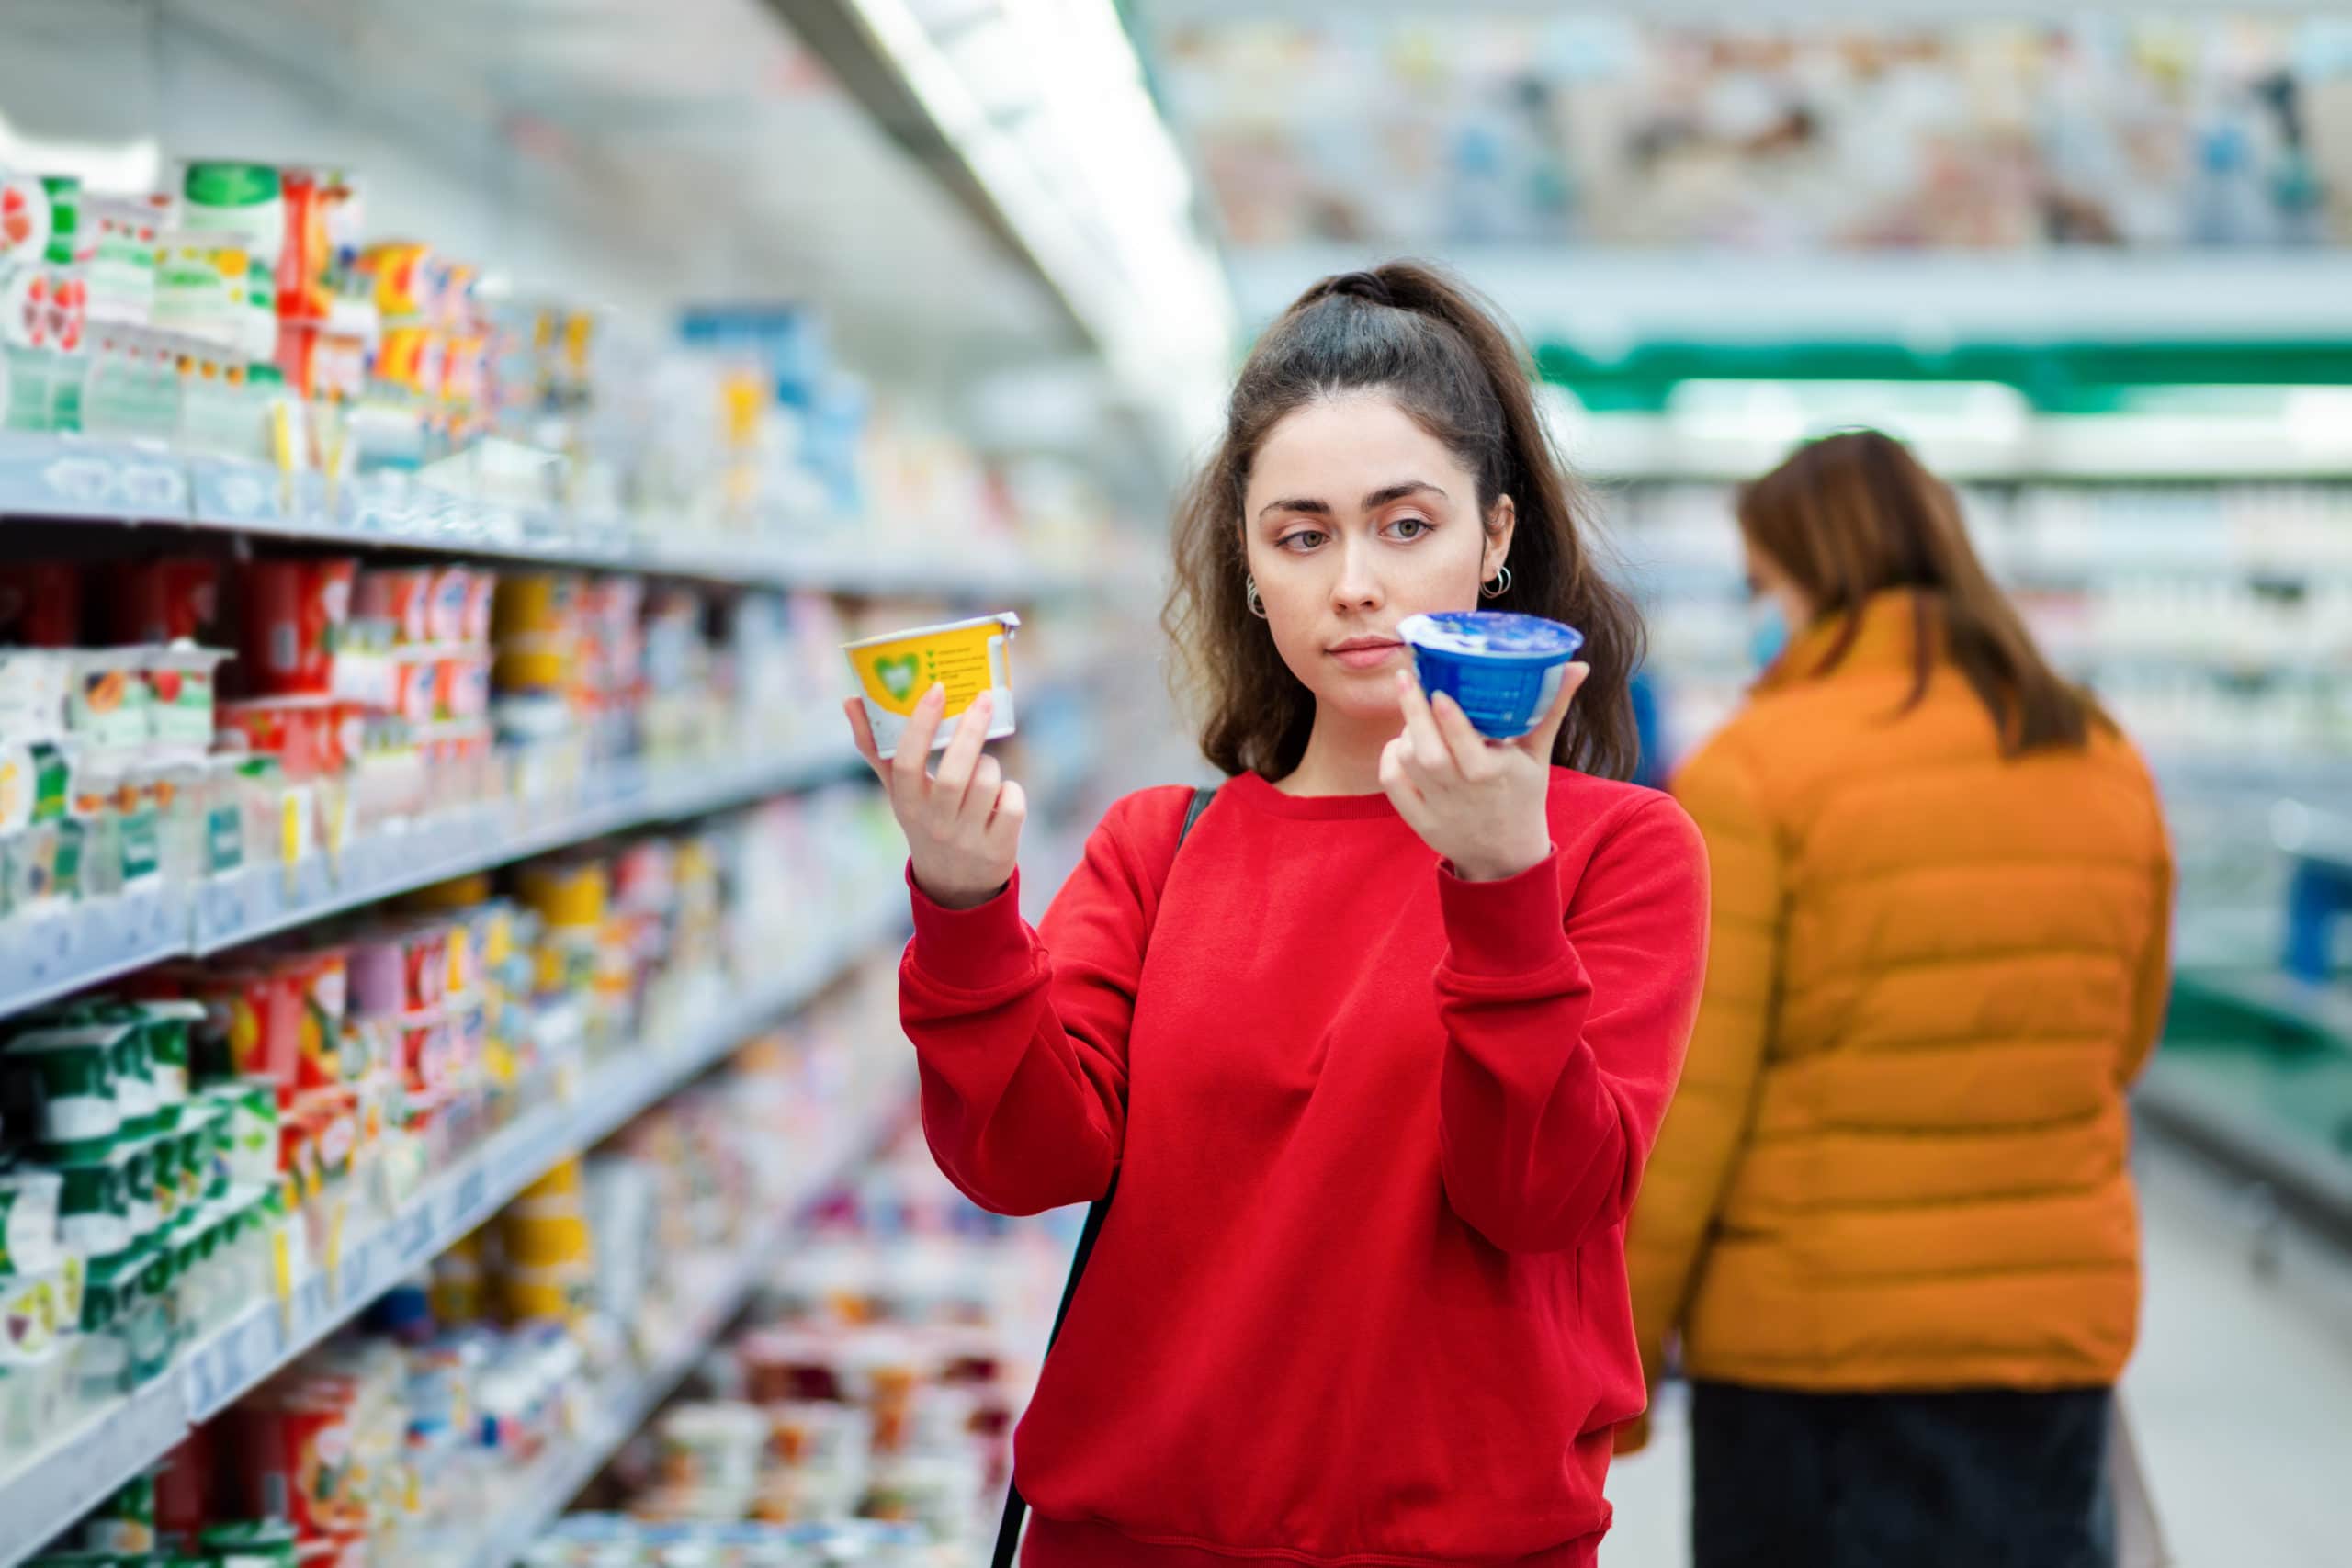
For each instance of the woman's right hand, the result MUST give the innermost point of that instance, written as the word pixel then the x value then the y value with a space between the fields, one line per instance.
pixel 963 823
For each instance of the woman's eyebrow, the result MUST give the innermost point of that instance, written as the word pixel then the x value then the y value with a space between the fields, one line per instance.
pixel 1297 503
pixel 1372 502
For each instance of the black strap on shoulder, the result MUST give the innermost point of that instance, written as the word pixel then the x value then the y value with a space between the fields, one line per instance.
pixel 1016 1508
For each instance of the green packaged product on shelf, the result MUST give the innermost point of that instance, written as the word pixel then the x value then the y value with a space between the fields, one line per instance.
pixel 249 1543
pixel 136 1156
pixel 163 1176
pixel 94 1202
pixel 29 1219
pixel 124 1522
pixel 135 1091
pixel 108 700
pixel 58 1084
pixel 126 1329
pixel 134 1069
pixel 249 1138
pixel 171 1025
pixel 35 784
pixel 39 1310
pixel 204 1175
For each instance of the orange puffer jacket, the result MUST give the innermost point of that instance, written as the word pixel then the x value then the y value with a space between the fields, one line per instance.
pixel 1896 1158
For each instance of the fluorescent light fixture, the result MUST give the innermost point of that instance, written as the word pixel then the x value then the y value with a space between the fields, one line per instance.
pixel 1783 412
pixel 1088 176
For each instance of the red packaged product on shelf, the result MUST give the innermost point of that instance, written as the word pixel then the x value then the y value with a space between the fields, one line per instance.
pixel 302 265
pixel 428 1054
pixel 161 601
pixel 296 1451
pixel 462 687
pixel 413 691
pixel 401 595
pixel 481 590
pixel 424 965
pixel 40 604
pixel 318 361
pixel 446 611
pixel 302 733
pixel 253 1023
pixel 322 981
pixel 291 610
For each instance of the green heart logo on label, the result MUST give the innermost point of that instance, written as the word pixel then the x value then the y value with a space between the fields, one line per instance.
pixel 898 674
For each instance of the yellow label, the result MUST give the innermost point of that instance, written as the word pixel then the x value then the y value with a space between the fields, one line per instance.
pixel 293 832
pixel 282 443
pixel 334 820
pixel 336 1215
pixel 281 1273
pixel 967 660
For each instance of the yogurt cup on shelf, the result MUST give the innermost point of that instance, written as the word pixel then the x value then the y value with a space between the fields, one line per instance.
pixel 1503 668
pixel 968 658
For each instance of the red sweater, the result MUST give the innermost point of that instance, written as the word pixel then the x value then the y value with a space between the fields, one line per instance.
pixel 1362 1298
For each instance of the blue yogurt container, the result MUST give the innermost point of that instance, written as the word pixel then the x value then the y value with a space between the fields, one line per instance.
pixel 1503 668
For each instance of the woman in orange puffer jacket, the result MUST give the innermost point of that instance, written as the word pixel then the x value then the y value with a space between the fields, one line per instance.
pixel 1889 1217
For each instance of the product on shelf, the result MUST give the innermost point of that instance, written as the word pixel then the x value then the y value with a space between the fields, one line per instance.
pixel 404 1438
pixel 362 699
pixel 226 1128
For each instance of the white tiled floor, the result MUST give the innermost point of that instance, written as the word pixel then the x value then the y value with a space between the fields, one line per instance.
pixel 2241 1396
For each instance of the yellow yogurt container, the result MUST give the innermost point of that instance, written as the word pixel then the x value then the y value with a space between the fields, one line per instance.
pixel 967 656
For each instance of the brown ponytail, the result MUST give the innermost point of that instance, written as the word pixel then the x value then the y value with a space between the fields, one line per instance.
pixel 1855 514
pixel 1449 362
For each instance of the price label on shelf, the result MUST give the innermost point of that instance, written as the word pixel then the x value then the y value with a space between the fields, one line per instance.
pixel 222 1369
pixel 473 1191
pixel 281 1271
pixel 412 1235
pixel 338 1215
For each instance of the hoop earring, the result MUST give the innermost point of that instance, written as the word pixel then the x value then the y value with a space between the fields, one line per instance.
pixel 1498 587
pixel 1249 592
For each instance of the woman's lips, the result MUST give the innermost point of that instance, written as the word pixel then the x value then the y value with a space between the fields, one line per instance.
pixel 1366 655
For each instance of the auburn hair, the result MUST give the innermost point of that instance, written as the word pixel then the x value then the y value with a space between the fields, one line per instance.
pixel 1416 335
pixel 1855 514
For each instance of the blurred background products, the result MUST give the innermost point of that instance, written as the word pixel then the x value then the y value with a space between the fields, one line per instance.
pixel 444 447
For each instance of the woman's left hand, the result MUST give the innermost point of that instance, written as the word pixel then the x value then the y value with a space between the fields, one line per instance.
pixel 1479 803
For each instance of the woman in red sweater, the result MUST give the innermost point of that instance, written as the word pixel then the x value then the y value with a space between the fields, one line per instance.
pixel 1376 1061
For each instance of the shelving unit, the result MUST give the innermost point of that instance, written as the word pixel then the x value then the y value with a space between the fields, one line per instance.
pixel 541 1492
pixel 45 1494
pixel 88 945
pixel 75 481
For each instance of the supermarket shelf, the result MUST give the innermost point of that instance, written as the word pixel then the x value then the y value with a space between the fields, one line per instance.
pixel 543 1492
pixel 2278 997
pixel 2175 1099
pixel 46 956
pixel 64 480
pixel 48 1494
pixel 49 955
pixel 263 900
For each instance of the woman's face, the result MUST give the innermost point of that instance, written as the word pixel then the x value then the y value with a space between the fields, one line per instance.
pixel 1355 518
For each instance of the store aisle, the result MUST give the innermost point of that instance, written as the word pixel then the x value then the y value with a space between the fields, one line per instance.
pixel 2239 1394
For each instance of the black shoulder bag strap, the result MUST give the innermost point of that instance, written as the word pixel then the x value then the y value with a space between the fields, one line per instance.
pixel 1016 1508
